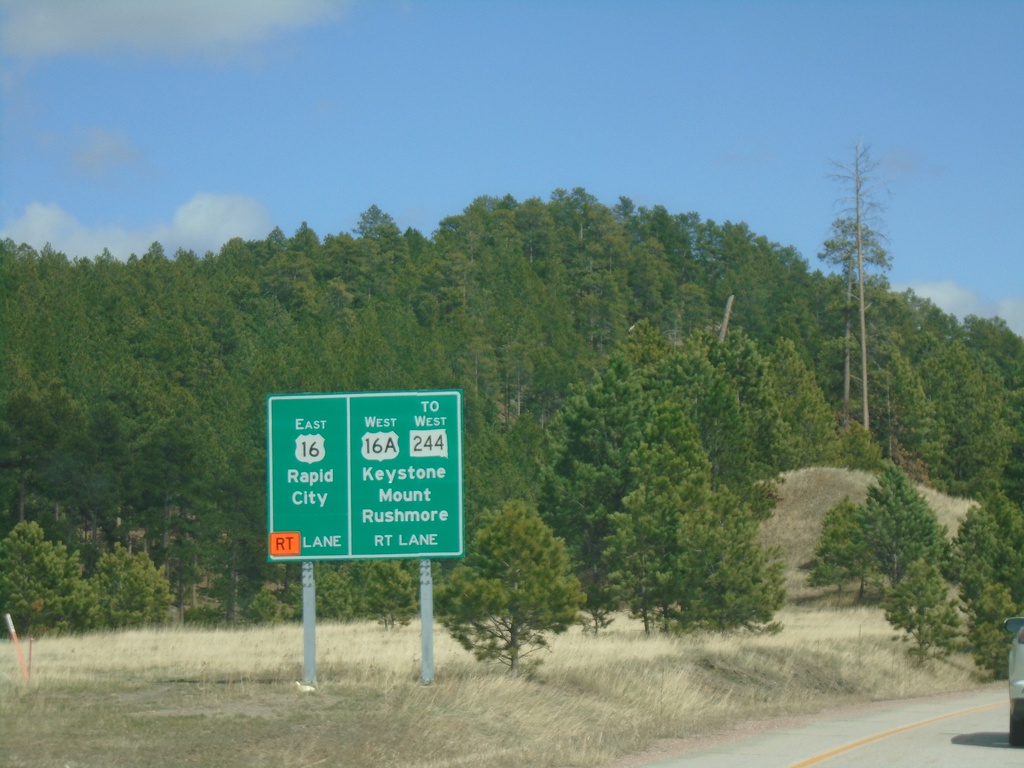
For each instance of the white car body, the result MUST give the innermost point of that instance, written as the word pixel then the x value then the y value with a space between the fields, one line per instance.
pixel 1016 680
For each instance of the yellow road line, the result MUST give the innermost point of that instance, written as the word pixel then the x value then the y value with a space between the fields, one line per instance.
pixel 817 759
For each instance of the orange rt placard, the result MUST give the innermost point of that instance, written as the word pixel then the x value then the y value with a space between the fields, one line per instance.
pixel 284 543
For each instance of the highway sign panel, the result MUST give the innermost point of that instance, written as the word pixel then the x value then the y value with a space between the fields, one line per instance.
pixel 370 475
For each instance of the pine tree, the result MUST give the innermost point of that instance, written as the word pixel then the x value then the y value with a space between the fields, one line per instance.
pixel 593 437
pixel 987 549
pixel 842 554
pixel 731 580
pixel 711 399
pixel 986 638
pixel 645 549
pixel 27 436
pixel 989 564
pixel 513 589
pixel 974 435
pixel 857 450
pixel 907 427
pixel 810 425
pixel 899 527
pixel 920 606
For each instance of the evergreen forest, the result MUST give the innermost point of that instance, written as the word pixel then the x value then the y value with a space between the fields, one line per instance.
pixel 619 364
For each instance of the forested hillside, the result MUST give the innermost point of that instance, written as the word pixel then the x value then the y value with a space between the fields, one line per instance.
pixel 586 339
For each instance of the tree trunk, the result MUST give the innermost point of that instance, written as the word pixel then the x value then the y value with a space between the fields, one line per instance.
pixel 863 317
pixel 513 649
pixel 21 495
pixel 725 320
pixel 167 521
pixel 846 349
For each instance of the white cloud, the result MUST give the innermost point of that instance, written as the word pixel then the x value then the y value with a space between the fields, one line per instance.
pixel 39 28
pixel 953 298
pixel 214 219
pixel 202 224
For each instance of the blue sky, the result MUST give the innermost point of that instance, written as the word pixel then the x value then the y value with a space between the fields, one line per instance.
pixel 190 122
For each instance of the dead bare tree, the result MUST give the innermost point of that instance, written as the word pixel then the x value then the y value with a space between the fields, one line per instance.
pixel 857 241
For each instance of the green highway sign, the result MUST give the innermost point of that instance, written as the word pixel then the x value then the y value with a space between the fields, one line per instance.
pixel 373 475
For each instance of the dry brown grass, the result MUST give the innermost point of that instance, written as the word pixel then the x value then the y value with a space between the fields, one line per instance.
pixel 227 698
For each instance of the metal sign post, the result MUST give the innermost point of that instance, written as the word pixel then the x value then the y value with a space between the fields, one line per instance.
pixel 308 624
pixel 426 623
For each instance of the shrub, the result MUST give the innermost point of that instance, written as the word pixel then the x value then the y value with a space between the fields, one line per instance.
pixel 41 584
pixel 129 590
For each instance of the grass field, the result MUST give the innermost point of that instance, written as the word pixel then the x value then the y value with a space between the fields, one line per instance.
pixel 180 697
pixel 225 698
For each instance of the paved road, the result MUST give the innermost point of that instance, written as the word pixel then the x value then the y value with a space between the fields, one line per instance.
pixel 947 732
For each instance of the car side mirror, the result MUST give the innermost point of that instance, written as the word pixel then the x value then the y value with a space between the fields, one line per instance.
pixel 1014 625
